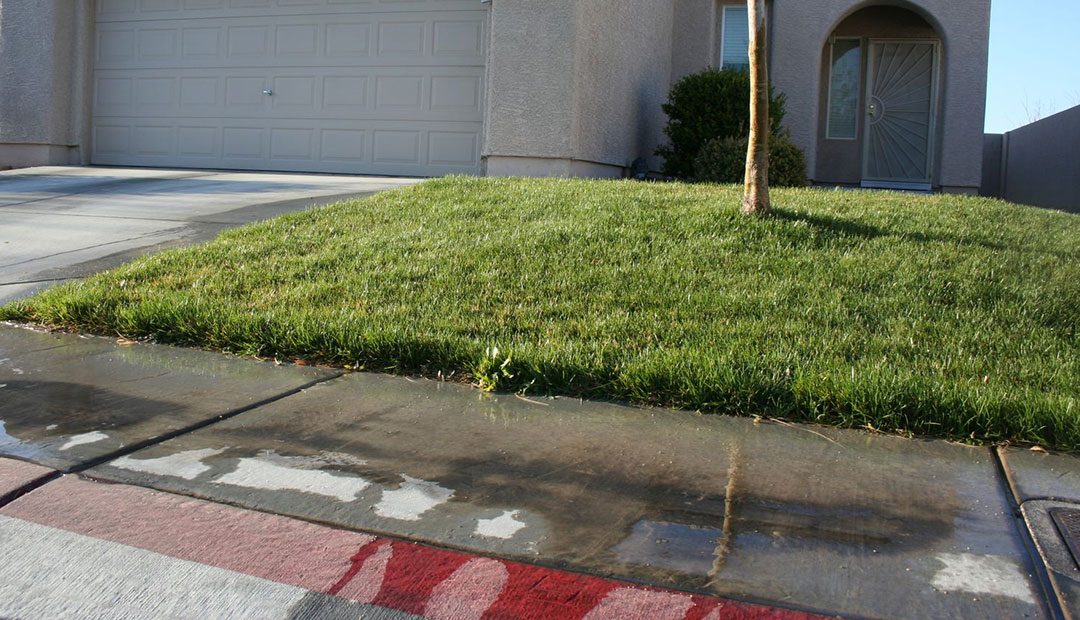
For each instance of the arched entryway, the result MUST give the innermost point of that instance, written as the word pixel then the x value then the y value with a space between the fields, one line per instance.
pixel 881 79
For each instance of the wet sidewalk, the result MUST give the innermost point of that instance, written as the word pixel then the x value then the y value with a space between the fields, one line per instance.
pixel 800 517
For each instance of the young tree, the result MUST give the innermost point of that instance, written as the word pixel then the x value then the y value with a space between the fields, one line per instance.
pixel 756 183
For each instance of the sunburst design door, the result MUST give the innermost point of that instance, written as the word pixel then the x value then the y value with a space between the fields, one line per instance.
pixel 901 110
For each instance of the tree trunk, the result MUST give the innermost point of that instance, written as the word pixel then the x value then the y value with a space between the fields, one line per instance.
pixel 756 185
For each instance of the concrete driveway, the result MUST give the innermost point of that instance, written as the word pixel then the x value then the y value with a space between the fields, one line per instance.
pixel 64 223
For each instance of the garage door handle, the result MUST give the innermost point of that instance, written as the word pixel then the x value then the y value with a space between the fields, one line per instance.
pixel 268 92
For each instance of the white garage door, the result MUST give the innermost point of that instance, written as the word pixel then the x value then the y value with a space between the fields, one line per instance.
pixel 356 86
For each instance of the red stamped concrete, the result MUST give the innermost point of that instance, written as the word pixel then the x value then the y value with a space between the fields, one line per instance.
pixel 268 546
pixel 16 475
pixel 443 584
pixel 398 575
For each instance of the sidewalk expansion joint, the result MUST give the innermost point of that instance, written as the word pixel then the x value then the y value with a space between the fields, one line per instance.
pixel 41 281
pixel 156 233
pixel 135 447
pixel 36 483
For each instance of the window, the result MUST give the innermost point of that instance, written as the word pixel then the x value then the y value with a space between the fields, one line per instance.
pixel 843 117
pixel 735 38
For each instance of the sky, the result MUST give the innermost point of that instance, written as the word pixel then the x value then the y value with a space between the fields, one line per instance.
pixel 1034 61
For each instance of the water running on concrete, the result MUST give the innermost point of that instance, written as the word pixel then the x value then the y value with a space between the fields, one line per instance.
pixel 840 521
pixel 711 504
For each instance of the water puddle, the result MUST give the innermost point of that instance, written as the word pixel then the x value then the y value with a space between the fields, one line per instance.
pixel 83 439
pixel 6 439
pixel 187 465
pixel 683 548
pixel 503 526
pixel 13 370
pixel 412 499
pixel 318 461
pixel 263 473
pixel 15 446
pixel 982 574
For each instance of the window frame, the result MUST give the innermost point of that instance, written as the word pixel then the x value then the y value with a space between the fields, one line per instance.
pixel 829 88
pixel 724 6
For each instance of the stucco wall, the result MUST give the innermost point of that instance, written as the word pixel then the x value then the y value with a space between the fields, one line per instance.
pixel 1039 163
pixel 45 48
pixel 530 86
pixel 622 70
pixel 694 37
pixel 575 88
pixel 801 29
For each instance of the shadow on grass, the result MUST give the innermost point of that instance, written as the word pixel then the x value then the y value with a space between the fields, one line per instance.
pixel 850 229
pixel 835 225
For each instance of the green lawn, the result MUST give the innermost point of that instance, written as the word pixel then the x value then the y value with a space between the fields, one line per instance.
pixel 941 315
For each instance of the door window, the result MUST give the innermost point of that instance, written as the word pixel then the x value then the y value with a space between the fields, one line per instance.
pixel 842 123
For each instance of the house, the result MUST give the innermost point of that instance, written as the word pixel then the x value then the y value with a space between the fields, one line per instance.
pixel 882 94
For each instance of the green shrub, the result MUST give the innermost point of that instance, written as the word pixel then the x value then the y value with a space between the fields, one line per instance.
pixel 787 162
pixel 711 104
pixel 723 160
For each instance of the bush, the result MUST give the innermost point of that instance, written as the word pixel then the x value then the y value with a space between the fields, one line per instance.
pixel 711 104
pixel 723 160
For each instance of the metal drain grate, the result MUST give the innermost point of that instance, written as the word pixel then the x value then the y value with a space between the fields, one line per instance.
pixel 1067 521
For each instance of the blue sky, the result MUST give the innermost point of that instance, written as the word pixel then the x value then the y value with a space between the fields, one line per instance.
pixel 1034 61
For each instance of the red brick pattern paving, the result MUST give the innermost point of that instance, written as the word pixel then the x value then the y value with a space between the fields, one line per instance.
pixel 398 575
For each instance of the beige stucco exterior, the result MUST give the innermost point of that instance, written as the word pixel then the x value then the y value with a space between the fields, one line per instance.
pixel 573 87
pixel 45 59
pixel 801 30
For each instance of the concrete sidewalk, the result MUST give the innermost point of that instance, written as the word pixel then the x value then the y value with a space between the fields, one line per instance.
pixel 786 516
pixel 64 223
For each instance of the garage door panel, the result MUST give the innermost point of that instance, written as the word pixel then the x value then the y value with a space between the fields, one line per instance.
pixel 157 140
pixel 344 145
pixel 244 143
pixel 453 148
pixel 345 94
pixel 455 37
pixel 115 94
pixel 155 93
pixel 112 140
pixel 141 10
pixel 444 93
pixel 350 39
pixel 358 147
pixel 115 45
pixel 121 11
pixel 425 39
pixel 460 93
pixel 197 141
pixel 390 87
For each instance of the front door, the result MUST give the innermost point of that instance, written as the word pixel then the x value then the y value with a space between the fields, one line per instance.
pixel 901 107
